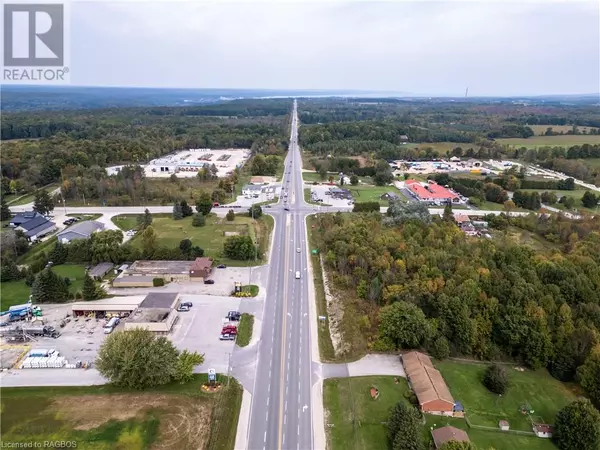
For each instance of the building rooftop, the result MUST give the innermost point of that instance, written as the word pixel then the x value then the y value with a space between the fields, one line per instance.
pixel 201 263
pixel 83 228
pixel 162 300
pixel 426 380
pixel 432 190
pixel 448 433
pixel 132 279
pixel 99 270
pixel 162 267
pixel 252 187
pixel 149 315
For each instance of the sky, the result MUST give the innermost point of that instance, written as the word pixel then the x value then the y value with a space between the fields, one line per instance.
pixel 424 47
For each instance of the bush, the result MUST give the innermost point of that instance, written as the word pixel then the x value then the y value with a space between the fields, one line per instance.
pixel 230 215
pixel 199 220
pixel 157 282
pixel 495 379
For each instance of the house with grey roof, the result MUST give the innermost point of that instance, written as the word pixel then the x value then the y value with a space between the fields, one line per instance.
pixel 81 230
pixel 36 227
pixel 23 217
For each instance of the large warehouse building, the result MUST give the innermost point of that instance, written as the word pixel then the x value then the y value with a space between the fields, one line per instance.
pixel 431 192
pixel 157 312
pixel 428 384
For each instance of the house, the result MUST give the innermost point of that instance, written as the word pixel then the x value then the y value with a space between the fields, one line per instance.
pixel 390 196
pixel 81 230
pixel 543 430
pixel 201 269
pixel 404 139
pixel 461 219
pixel 23 217
pixel 99 270
pixel 251 189
pixel 431 192
pixel 257 180
pixel 37 227
pixel 503 424
pixel 426 381
pixel 448 433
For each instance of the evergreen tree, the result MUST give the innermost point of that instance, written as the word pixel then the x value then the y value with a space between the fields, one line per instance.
pixel 198 220
pixel 186 209
pixel 144 220
pixel 42 202
pixel 4 210
pixel 230 215
pixel 59 254
pixel 177 213
pixel 90 291
pixel 49 288
pixel 448 215
pixel 204 203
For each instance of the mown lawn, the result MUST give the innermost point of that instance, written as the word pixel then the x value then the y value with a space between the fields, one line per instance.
pixel 545 394
pixel 17 292
pixel 210 237
pixel 563 141
pixel 171 417
pixel 359 421
pixel 245 330
pixel 369 193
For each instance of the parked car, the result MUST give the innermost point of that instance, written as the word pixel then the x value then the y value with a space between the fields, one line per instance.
pixel 233 316
pixel 183 308
pixel 188 304
pixel 227 337
pixel 221 266
pixel 298 249
pixel 209 281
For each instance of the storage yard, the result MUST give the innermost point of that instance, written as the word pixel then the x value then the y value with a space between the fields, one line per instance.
pixel 187 163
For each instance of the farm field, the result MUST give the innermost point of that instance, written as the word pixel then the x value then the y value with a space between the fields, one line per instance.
pixel 541 129
pixel 544 394
pixel 210 237
pixel 17 292
pixel 169 417
pixel 564 140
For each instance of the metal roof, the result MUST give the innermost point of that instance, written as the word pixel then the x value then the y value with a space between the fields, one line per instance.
pixel 426 380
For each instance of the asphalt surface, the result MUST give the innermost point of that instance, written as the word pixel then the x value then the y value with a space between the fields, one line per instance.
pixel 281 407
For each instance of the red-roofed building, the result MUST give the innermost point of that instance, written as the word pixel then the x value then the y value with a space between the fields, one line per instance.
pixel 431 192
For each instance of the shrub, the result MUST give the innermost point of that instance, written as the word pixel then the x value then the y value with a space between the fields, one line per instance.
pixel 495 379
pixel 157 282
pixel 199 220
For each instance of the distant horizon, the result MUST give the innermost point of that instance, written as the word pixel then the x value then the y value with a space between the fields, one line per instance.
pixel 289 93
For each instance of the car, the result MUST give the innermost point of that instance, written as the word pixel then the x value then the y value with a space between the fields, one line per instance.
pixel 188 304
pixel 183 308
pixel 286 208
pixel 209 281
pixel 216 205
pixel 233 316
pixel 221 266
pixel 227 337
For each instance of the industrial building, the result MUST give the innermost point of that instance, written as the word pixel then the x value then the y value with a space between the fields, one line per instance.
pixel 428 385
pixel 114 306
pixel 141 273
pixel 157 313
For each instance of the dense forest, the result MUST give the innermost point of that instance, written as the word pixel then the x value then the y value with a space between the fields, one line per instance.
pixel 490 299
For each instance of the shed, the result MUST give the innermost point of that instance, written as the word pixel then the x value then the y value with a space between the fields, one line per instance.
pixel 99 270
pixel 543 430
pixel 503 424
pixel 447 434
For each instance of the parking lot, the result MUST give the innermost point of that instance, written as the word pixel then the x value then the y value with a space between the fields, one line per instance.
pixel 320 193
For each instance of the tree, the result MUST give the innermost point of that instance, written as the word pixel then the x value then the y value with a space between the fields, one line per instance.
pixel 138 359
pixel 439 348
pixel 589 200
pixel 509 206
pixel 404 427
pixel 105 246
pixel 230 216
pixel 404 324
pixel 48 287
pixel 177 212
pixel 59 253
pixel 218 195
pixel 204 203
pixel 569 202
pixel 42 202
pixel 144 220
pixel 149 240
pixel 399 212
pixel 323 173
pixel 4 210
pixel 186 209
pixel 185 246
pixel 366 207
pixel 255 211
pixel 495 378
pixel 91 291
pixel 577 427
pixel 199 220
pixel 589 376
pixel 239 247
pixel 184 370
pixel 353 180
pixel 448 215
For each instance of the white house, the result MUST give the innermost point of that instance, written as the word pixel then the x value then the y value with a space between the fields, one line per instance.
pixel 251 189
pixel 543 430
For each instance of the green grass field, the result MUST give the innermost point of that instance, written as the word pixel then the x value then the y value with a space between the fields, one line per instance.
pixel 561 141
pixel 369 193
pixel 17 292
pixel 358 420
pixel 541 129
pixel 545 394
pixel 245 330
pixel 210 237
pixel 170 417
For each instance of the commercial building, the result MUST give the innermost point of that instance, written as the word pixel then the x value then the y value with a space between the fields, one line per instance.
pixel 431 192
pixel 251 189
pixel 428 384
pixel 120 306
pixel 81 230
pixel 157 313
pixel 37 227
pixel 340 193
pixel 142 273
pixel 99 270
pixel 201 269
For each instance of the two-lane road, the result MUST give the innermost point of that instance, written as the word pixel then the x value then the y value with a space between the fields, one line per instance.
pixel 281 409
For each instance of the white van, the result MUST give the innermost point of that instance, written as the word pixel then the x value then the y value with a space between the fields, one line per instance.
pixel 297 275
pixel 110 326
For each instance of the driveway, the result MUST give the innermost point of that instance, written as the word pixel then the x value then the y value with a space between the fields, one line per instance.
pixel 367 366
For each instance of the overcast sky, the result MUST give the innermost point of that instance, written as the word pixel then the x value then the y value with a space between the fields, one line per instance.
pixel 419 47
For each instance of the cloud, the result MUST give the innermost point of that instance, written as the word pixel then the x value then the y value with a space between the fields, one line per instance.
pixel 497 48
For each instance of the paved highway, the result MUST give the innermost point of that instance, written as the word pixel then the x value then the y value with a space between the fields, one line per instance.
pixel 280 415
